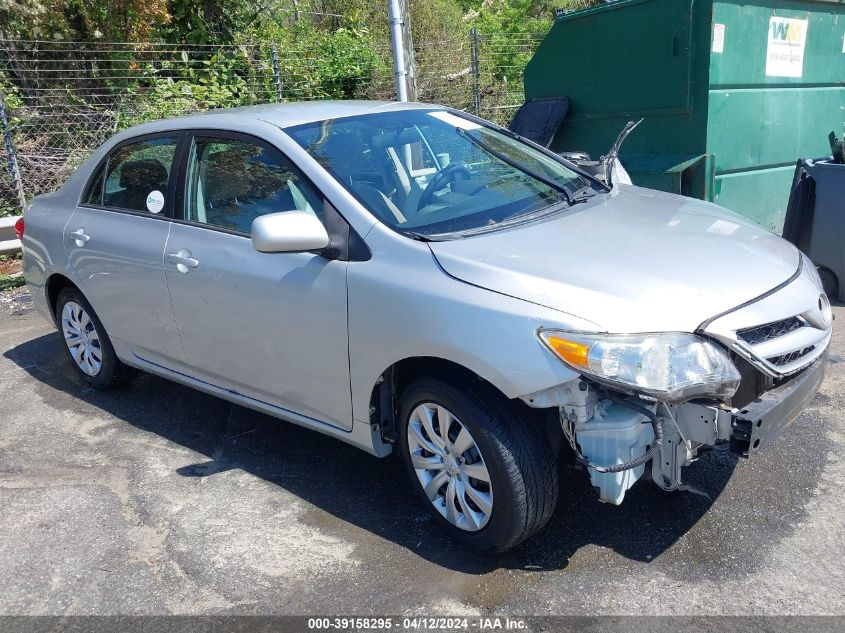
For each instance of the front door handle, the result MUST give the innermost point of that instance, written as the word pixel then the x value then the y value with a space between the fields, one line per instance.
pixel 183 260
pixel 80 237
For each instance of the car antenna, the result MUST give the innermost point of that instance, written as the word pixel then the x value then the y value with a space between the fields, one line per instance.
pixel 608 159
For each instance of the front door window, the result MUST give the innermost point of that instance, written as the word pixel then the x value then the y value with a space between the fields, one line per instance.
pixel 231 182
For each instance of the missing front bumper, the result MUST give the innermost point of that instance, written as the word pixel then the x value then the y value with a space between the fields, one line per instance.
pixel 758 424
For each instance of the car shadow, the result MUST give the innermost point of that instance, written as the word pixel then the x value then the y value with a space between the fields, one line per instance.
pixel 373 494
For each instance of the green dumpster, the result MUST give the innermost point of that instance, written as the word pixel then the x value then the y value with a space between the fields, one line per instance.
pixel 733 92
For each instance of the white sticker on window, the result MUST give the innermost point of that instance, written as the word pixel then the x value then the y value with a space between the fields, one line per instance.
pixel 718 38
pixel 785 54
pixel 843 42
pixel 155 201
pixel 456 121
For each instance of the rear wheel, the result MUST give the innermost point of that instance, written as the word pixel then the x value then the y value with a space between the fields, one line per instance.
pixel 87 343
pixel 487 474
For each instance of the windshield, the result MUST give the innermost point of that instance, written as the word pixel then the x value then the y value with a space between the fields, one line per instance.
pixel 432 172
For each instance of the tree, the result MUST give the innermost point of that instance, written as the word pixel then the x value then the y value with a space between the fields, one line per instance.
pixel 210 21
pixel 83 20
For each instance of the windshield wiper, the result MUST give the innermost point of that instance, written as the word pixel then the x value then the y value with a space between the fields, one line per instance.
pixel 516 164
pixel 584 193
pixel 515 220
pixel 417 236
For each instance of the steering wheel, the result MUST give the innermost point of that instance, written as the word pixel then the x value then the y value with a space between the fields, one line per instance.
pixel 443 178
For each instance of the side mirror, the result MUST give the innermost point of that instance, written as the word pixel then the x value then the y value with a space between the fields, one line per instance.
pixel 288 232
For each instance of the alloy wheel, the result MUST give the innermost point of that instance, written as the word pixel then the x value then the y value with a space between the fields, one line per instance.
pixel 449 466
pixel 82 338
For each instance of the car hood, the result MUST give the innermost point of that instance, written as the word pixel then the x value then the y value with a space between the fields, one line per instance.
pixel 633 260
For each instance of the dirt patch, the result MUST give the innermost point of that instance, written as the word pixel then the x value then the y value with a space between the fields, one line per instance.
pixel 10 265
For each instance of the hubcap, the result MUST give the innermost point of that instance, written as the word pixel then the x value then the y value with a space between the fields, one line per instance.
pixel 450 467
pixel 82 338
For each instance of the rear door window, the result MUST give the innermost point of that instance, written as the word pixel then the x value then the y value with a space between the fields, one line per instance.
pixel 138 175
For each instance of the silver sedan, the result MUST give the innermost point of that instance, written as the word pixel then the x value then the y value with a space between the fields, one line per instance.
pixel 407 277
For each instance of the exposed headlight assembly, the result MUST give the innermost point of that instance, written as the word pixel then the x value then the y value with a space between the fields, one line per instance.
pixel 670 367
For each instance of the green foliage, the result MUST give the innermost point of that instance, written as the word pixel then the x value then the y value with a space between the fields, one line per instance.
pixel 326 49
pixel 8 282
pixel 504 22
pixel 16 13
pixel 437 21
pixel 313 64
pixel 335 65
pixel 514 17
pixel 83 20
pixel 316 63
pixel 173 89
pixel 209 21
pixel 8 206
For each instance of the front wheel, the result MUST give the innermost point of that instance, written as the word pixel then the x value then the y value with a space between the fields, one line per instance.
pixel 487 474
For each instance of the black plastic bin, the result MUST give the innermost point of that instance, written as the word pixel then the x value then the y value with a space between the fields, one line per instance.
pixel 815 219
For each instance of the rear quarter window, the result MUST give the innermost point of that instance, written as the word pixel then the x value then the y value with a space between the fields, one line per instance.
pixel 94 191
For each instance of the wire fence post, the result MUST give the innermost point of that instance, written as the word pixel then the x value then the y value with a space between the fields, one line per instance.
pixel 277 77
pixel 476 71
pixel 10 153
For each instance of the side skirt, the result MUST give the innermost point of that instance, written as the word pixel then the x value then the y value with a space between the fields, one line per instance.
pixel 363 435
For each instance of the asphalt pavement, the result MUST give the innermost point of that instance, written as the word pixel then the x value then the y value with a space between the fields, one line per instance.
pixel 157 499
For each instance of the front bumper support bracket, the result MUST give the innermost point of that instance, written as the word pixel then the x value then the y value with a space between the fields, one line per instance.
pixel 760 422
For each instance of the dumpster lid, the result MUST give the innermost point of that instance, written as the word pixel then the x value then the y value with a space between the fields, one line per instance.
pixel 660 163
pixel 539 119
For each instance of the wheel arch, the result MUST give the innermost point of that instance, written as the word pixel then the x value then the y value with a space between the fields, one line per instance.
pixel 55 284
pixel 391 383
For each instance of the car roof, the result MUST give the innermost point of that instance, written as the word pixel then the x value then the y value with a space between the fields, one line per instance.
pixel 290 114
pixel 282 115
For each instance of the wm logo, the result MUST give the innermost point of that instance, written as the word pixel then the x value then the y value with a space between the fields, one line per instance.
pixel 788 32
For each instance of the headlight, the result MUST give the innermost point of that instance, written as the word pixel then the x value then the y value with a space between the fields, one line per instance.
pixel 672 367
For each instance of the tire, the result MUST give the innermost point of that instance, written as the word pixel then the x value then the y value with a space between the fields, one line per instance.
pixel 829 283
pixel 93 360
pixel 512 451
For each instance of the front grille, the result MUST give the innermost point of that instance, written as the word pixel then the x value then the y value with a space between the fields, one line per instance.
pixel 763 333
pixel 791 357
pixel 752 382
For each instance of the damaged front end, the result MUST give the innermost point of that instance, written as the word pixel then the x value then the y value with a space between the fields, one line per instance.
pixel 622 437
pixel 651 404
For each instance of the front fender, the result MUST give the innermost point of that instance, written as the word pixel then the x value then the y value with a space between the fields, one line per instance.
pixel 402 305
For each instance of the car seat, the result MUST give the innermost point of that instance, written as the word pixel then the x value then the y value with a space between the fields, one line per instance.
pixel 138 178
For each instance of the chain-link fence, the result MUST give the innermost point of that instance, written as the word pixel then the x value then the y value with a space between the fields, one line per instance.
pixel 63 99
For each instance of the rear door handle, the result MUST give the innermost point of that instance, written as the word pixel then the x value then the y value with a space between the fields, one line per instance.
pixel 183 260
pixel 80 237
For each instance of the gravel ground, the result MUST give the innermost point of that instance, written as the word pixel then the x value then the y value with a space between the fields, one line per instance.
pixel 15 302
pixel 156 499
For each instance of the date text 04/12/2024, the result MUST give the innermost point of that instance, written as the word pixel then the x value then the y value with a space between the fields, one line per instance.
pixel 418 623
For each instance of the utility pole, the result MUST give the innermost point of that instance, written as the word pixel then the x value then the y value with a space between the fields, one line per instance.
pixel 403 49
pixel 408 49
pixel 475 67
